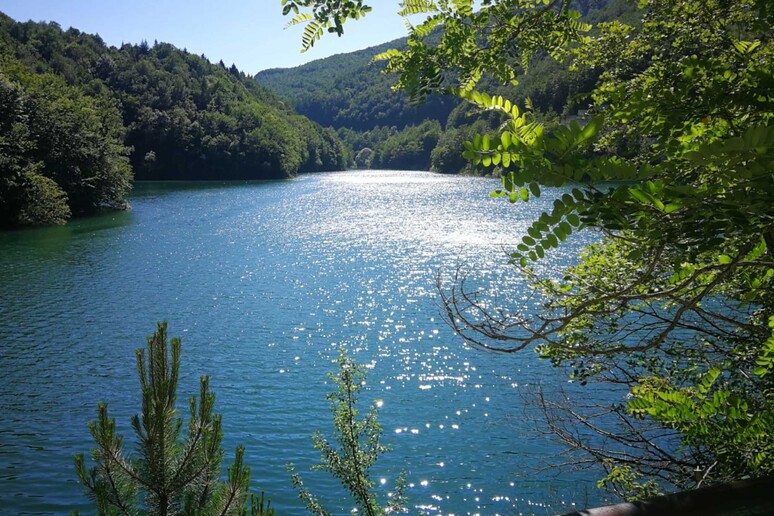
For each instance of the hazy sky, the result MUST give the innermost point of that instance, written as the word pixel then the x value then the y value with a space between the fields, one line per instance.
pixel 248 33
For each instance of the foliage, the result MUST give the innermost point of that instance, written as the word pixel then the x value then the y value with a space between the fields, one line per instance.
pixel 676 298
pixel 371 139
pixel 349 91
pixel 323 17
pixel 408 149
pixel 390 148
pixel 171 476
pixel 46 204
pixel 80 108
pixel 494 40
pixel 364 158
pixel 359 446
pixel 60 150
pixel 672 165
pixel 626 481
pixel 447 155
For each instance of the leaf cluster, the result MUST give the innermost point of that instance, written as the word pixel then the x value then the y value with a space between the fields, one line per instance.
pixel 322 16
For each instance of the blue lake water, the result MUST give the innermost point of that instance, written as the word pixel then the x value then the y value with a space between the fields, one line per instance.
pixel 265 283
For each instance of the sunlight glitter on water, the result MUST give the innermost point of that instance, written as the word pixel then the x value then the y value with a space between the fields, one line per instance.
pixel 266 283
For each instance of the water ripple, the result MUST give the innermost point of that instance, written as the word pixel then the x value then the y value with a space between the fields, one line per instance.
pixel 265 282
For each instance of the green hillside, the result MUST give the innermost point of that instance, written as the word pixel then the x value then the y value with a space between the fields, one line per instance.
pixel 77 114
pixel 347 90
pixel 351 94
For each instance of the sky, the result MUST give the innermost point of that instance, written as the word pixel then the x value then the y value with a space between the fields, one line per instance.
pixel 249 33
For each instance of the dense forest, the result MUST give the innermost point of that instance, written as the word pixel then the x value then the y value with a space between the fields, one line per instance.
pixel 79 117
pixel 350 93
pixel 348 90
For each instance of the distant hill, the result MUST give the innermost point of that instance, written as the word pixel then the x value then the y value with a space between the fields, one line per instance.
pixel 346 90
pixel 349 93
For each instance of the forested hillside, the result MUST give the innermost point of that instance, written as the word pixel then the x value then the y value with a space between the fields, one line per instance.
pixel 348 90
pixel 350 93
pixel 78 117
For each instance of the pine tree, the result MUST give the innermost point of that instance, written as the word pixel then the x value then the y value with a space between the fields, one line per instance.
pixel 357 447
pixel 172 475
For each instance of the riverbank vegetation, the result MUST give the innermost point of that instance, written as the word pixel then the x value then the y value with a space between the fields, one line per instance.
pixel 672 165
pixel 61 150
pixel 79 117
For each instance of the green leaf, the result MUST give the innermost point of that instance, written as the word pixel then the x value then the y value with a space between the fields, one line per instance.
pixel 708 379
pixel 672 207
pixel 507 181
pixel 535 189
pixel 506 140
pixel 637 194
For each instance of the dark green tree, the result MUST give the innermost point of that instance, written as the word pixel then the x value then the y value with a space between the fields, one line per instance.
pixel 60 150
pixel 408 149
pixel 171 475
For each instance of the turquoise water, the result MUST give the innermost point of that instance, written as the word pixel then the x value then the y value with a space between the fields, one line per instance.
pixel 264 283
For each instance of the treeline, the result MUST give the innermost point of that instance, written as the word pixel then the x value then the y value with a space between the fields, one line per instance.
pixel 78 117
pixel 387 147
pixel 349 93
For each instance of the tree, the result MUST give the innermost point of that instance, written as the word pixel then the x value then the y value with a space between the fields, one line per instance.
pixel 171 476
pixel 47 203
pixel 60 150
pixel 673 168
pixel 408 149
pixel 359 446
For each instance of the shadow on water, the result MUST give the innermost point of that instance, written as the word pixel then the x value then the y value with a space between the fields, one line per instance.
pixel 151 189
pixel 54 239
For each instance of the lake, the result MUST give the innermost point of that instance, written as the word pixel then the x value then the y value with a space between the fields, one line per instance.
pixel 265 283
